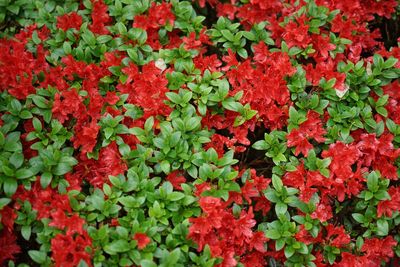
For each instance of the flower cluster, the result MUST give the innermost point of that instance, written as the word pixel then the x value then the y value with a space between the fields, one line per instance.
pixel 199 133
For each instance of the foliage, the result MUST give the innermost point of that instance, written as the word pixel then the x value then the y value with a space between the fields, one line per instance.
pixel 199 133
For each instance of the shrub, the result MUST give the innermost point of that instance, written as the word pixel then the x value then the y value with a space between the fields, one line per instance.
pixel 204 133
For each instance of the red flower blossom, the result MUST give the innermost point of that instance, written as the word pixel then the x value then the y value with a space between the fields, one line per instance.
pixel 69 251
pixel 343 156
pixel 8 246
pixel 323 212
pixel 72 224
pixel 337 236
pixel 311 128
pixel 325 69
pixel 68 21
pixel 147 89
pixel 158 15
pixel 176 179
pixel 142 239
pixel 68 103
pixel 305 237
pixel 8 216
pixel 296 33
pixel 380 153
pixel 379 249
pixel 97 172
pixel 86 136
pixel 100 17
pixel 44 201
pixel 387 207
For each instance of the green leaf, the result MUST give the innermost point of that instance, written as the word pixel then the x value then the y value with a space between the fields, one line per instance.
pixel 67 48
pixel 391 125
pixel 372 181
pixel 390 62
pixel 16 159
pixel 61 169
pixel 279 244
pixel 16 105
pixel 232 105
pixel 271 196
pixel 117 246
pixel 165 166
pixel 174 97
pixel 358 217
pixel 23 173
pixel 383 227
pixel 147 263
pixel 359 242
pixel 148 125
pixel 35 38
pixel 26 232
pixel 192 123
pixel 378 60
pixel 45 179
pixel 294 51
pixel 10 186
pixel 382 111
pixel 174 257
pixel 175 196
pixel 108 132
pixel 277 183
pixel 242 52
pixel 273 234
pixel 37 125
pixel 4 202
pixel 102 39
pixel 280 208
pixel 40 101
pixel 89 38
pixel 260 145
pixel 289 251
pixel 37 256
pixel 205 171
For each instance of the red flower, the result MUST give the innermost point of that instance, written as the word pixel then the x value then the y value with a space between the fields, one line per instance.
pixel 176 179
pixel 343 156
pixel 387 207
pixel 258 241
pixel 191 42
pixel 305 237
pixel 44 201
pixel 296 33
pixel 226 10
pixel 142 240
pixel 67 21
pixel 159 15
pixel 72 224
pixel 8 246
pixel 379 153
pixel 379 249
pixel 311 128
pixel 254 259
pixel 86 136
pixel 146 89
pixel 69 251
pixel 68 103
pixel 8 216
pixel 97 172
pixel 100 17
pixel 249 191
pixel 323 212
pixel 337 236
pixel 262 204
pixel 325 69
